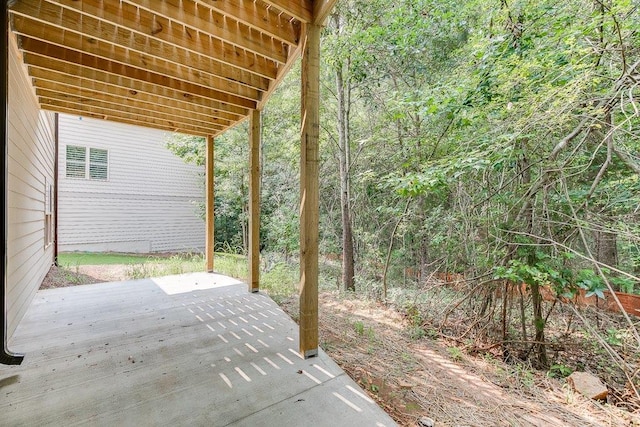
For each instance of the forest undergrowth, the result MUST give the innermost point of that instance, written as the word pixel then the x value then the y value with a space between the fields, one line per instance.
pixel 417 356
pixel 577 338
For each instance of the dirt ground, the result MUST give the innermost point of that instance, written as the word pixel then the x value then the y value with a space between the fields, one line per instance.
pixel 416 378
pixel 413 378
pixel 84 275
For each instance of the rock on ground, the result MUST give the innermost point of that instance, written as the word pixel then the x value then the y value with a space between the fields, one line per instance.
pixel 588 385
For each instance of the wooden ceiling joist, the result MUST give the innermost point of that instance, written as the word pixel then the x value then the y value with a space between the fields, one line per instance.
pixel 157 26
pixel 206 21
pixel 92 28
pixel 300 10
pixel 267 20
pixel 227 101
pixel 152 123
pixel 78 104
pixel 48 79
pixel 89 97
pixel 193 66
pixel 137 89
pixel 117 54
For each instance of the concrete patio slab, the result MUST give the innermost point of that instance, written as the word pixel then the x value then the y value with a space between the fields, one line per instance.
pixel 193 349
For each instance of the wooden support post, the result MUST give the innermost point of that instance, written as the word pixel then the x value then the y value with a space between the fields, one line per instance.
pixel 254 202
pixel 309 215
pixel 209 198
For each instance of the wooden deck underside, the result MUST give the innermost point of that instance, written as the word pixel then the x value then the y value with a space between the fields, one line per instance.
pixel 193 349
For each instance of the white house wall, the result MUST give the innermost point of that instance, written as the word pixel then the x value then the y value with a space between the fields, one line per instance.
pixel 149 203
pixel 30 168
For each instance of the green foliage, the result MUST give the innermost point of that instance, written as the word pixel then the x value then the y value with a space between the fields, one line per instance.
pixel 416 332
pixel 455 353
pixel 592 282
pixel 358 327
pixel 281 281
pixel 192 149
pixel 558 370
pixel 625 284
pixel 613 337
pixel 539 269
pixel 504 125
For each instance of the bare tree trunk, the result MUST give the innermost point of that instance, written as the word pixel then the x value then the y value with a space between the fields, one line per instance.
pixel 385 269
pixel 348 264
pixel 540 349
pixel 606 247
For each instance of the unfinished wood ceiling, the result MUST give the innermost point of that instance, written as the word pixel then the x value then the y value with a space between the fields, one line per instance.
pixel 190 66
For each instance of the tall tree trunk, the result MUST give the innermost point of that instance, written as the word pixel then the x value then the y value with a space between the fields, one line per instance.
pixel 348 264
pixel 538 318
pixel 606 247
pixel 539 347
pixel 605 241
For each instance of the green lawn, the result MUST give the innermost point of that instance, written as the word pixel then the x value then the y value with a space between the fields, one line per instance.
pixel 71 259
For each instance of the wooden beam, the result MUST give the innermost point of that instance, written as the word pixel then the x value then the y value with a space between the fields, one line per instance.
pixel 93 28
pixel 157 27
pixel 134 86
pixel 82 100
pixel 73 75
pixel 74 112
pixel 122 117
pixel 300 10
pixel 266 20
pixel 282 73
pixel 206 21
pixel 254 201
pixel 100 64
pixel 209 208
pixel 322 9
pixel 309 211
pixel 91 96
pixel 125 56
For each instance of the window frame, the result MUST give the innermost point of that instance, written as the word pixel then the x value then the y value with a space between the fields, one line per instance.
pixel 91 162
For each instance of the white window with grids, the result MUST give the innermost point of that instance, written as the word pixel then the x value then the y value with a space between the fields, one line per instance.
pixel 87 163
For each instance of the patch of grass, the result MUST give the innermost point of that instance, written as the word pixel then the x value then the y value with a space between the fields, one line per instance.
pixel 614 337
pixel 143 266
pixel 231 265
pixel 432 333
pixel 358 326
pixel 96 258
pixel 140 271
pixel 281 282
pixel 416 332
pixel 413 315
pixel 455 353
pixel 175 264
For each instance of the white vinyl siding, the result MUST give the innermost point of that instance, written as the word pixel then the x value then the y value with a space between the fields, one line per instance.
pixel 30 177
pixel 149 202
